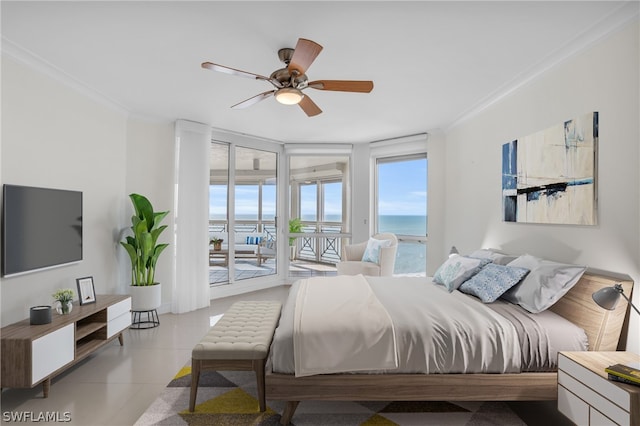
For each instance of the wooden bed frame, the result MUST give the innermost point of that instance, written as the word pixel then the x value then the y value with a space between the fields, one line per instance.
pixel 603 330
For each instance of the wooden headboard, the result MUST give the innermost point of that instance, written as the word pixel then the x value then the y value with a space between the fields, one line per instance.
pixel 603 327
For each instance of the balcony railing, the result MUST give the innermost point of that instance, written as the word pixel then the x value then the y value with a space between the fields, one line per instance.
pixel 319 242
pixel 323 244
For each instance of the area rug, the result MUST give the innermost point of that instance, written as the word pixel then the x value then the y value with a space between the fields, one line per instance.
pixel 230 398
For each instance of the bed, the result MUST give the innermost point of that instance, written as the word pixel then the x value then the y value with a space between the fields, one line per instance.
pixel 601 328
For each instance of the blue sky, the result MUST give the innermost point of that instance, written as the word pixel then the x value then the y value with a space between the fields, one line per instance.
pixel 402 190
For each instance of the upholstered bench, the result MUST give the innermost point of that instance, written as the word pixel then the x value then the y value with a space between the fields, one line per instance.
pixel 239 341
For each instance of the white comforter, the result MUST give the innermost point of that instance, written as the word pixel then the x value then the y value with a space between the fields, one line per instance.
pixel 341 326
pixel 436 331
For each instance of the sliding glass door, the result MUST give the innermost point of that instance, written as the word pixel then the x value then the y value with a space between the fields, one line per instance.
pixel 243 195
pixel 255 213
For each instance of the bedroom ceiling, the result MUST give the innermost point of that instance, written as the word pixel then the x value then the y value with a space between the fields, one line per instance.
pixel 432 63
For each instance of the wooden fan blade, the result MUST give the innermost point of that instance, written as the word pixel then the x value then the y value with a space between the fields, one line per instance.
pixel 304 54
pixel 253 100
pixel 309 107
pixel 343 85
pixel 240 73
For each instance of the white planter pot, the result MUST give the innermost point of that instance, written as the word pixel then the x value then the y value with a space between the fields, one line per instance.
pixel 145 298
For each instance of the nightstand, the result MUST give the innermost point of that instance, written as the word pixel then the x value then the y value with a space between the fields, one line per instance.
pixel 587 397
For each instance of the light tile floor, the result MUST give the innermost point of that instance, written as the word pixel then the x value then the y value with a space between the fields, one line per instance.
pixel 117 384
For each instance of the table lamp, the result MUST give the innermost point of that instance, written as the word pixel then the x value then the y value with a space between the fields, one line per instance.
pixel 608 297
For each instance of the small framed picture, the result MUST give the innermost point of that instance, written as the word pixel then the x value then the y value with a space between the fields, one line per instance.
pixel 86 290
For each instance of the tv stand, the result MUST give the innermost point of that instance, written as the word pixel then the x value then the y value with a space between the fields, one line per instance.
pixel 34 354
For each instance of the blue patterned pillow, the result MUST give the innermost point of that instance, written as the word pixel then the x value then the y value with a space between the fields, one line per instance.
pixel 457 269
pixel 372 252
pixel 492 281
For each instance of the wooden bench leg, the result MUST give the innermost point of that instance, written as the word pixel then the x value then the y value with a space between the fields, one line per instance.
pixel 258 367
pixel 287 414
pixel 195 378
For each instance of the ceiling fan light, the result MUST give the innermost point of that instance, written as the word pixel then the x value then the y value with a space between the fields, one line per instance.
pixel 289 96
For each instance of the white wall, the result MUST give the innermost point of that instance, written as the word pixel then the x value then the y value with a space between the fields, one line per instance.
pixel 603 78
pixel 150 162
pixel 56 137
pixel 437 249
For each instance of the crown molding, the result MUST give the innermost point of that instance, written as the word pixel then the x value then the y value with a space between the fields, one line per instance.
pixel 624 15
pixel 35 62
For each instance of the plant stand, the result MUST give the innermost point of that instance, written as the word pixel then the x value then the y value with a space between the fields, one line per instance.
pixel 152 319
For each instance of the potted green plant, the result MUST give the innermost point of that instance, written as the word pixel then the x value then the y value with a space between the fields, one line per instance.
pixel 217 243
pixel 295 227
pixel 143 249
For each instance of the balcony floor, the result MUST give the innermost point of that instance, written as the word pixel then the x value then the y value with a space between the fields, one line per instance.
pixel 248 268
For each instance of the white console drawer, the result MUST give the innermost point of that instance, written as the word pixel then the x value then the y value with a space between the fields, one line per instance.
pixel 116 325
pixel 51 352
pixel 118 309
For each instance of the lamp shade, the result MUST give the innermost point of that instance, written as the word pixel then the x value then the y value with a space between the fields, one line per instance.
pixel 453 251
pixel 289 96
pixel 608 297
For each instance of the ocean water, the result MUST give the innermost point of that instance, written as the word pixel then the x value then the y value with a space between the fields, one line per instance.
pixel 411 257
pixel 397 224
pixel 403 225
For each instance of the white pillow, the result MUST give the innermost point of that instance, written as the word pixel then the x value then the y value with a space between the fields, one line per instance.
pixel 496 257
pixel 457 269
pixel 372 252
pixel 546 283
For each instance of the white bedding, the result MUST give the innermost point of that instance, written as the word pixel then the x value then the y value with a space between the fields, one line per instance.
pixel 436 331
pixel 341 326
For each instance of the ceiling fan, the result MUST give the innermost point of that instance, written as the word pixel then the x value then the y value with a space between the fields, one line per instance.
pixel 289 82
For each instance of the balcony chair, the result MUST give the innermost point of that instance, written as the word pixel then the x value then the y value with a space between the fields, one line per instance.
pixel 266 250
pixel 353 263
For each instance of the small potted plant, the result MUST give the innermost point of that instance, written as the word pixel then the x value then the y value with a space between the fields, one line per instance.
pixel 64 300
pixel 295 227
pixel 217 243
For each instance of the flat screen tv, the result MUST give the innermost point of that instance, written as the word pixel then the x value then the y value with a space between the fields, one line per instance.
pixel 41 228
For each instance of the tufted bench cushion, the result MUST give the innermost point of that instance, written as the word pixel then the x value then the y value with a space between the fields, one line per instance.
pixel 244 332
pixel 240 340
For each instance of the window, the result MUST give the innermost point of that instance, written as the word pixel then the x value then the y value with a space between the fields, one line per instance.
pixel 332 202
pixel 309 202
pixel 401 208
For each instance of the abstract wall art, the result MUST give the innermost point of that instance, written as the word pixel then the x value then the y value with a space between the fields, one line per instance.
pixel 550 176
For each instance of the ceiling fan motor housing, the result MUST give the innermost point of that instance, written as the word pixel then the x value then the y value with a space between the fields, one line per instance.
pixel 284 77
pixel 286 54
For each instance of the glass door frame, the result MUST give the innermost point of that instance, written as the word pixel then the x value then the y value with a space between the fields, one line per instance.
pixel 234 141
